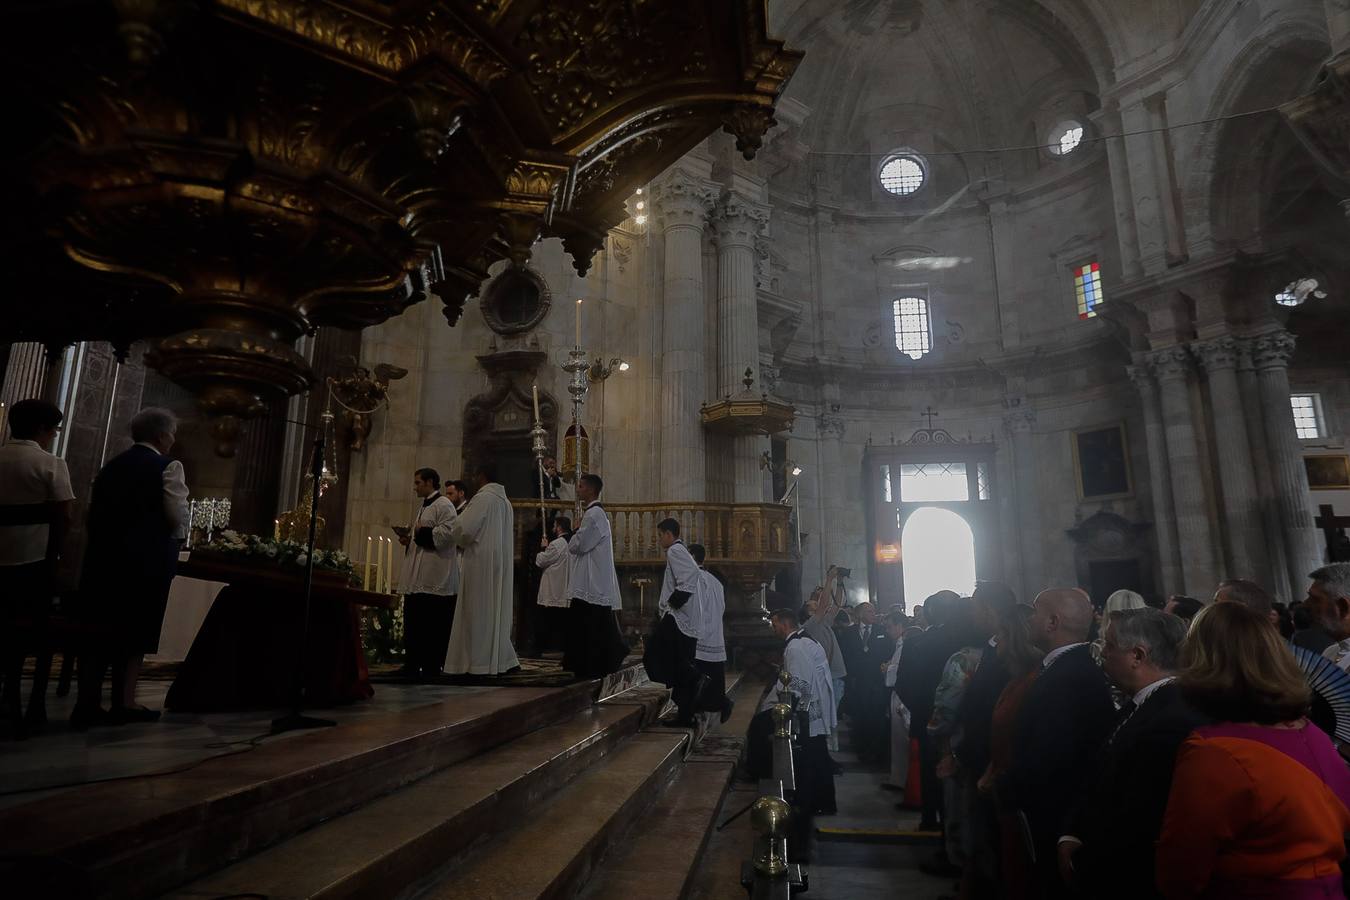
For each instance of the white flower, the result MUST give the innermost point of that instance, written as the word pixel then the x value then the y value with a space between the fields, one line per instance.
pixel 302 559
pixel 270 551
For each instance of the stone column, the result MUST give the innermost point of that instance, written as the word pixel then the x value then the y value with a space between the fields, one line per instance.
pixel 1270 353
pixel 1265 488
pixel 1020 420
pixel 1338 27
pixel 1172 366
pixel 1160 481
pixel 1126 233
pixel 1243 535
pixel 737 224
pixel 681 203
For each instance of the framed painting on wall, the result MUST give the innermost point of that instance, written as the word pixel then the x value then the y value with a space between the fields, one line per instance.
pixel 1328 473
pixel 1101 463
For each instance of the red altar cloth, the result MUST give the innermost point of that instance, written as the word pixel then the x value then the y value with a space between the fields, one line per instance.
pixel 247 650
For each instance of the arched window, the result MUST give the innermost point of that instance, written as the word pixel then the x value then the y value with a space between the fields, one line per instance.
pixel 937 548
pixel 913 333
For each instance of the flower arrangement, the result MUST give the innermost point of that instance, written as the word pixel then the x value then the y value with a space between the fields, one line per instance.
pixel 382 634
pixel 231 543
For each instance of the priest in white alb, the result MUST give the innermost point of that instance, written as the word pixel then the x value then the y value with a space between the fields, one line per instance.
pixel 480 643
pixel 595 647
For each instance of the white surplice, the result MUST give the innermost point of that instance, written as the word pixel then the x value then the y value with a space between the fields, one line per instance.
pixel 594 579
pixel 480 643
pixel 682 574
pixel 434 571
pixel 712 645
pixel 556 564
pixel 804 661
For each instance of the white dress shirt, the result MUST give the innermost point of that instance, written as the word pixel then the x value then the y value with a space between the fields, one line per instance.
pixel 1057 653
pixel 682 574
pixel 711 643
pixel 30 476
pixel 594 579
pixel 555 562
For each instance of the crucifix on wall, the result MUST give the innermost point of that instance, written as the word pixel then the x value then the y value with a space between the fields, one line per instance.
pixel 1333 529
pixel 930 414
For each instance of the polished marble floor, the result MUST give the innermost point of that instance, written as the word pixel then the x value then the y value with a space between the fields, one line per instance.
pixel 57 758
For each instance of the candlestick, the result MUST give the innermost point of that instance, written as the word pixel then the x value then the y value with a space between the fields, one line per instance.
pixel 276 529
pixel 382 570
pixel 365 582
pixel 535 389
pixel 389 572
pixel 578 322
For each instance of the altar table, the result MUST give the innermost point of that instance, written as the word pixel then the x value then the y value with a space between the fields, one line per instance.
pixel 245 653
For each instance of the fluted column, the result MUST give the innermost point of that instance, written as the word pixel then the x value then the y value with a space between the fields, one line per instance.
pixel 1271 353
pixel 1255 421
pixel 1243 535
pixel 1020 420
pixel 1160 480
pixel 737 223
pixel 681 203
pixel 1172 366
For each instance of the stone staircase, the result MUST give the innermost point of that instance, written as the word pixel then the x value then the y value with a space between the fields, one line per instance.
pixel 506 793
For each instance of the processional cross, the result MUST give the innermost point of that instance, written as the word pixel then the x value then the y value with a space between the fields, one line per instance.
pixel 1333 529
pixel 929 414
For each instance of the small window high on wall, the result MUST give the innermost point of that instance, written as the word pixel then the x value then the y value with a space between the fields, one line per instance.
pixel 913 334
pixel 1087 286
pixel 1307 415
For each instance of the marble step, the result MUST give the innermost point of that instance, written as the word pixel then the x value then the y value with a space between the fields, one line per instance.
pixel 402 837
pixel 661 855
pixel 142 836
pixel 557 847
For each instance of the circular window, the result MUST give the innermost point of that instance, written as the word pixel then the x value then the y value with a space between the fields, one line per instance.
pixel 1297 292
pixel 1065 138
pixel 515 301
pixel 903 174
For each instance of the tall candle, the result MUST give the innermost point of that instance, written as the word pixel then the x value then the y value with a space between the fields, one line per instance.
pixel 276 529
pixel 365 582
pixel 389 569
pixel 535 389
pixel 578 322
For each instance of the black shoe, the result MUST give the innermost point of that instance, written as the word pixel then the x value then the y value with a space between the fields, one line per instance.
pixel 726 709
pixel 129 715
pixel 82 719
pixel 675 720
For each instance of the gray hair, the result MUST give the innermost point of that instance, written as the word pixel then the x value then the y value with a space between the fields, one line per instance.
pixel 1160 634
pixel 1335 578
pixel 148 424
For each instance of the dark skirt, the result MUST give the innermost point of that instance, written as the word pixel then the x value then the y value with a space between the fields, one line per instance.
pixel 595 647
pixel 128 616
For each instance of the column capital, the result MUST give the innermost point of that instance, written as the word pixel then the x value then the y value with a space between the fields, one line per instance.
pixel 1226 352
pixel 683 199
pixel 738 222
pixel 1272 351
pixel 830 426
pixel 1019 417
pixel 1171 363
pixel 1141 375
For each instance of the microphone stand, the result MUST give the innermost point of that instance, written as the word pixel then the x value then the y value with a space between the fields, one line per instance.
pixel 295 720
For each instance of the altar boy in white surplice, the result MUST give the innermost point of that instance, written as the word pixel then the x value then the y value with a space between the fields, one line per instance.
pixel 429 578
pixel 480 643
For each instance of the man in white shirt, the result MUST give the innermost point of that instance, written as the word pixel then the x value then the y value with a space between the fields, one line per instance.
pixel 429 578
pixel 554 486
pixel 595 646
pixel 1329 602
pixel 35 513
pixel 710 655
pixel 138 517
pixel 670 654
pixel 554 563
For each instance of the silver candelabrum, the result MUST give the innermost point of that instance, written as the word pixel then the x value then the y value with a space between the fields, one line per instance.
pixel 576 366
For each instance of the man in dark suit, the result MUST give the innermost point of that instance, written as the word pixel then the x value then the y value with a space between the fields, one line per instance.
pixel 916 681
pixel 137 519
pixel 867 649
pixel 1119 811
pixel 1065 719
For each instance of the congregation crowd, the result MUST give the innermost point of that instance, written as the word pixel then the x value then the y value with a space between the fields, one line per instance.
pixel 1126 751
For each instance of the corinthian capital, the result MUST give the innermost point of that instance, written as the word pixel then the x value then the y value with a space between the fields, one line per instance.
pixel 739 222
pixel 1018 416
pixel 1220 353
pixel 1141 376
pixel 1171 363
pixel 683 199
pixel 1272 351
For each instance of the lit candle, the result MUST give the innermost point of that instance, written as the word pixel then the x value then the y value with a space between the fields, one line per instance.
pixel 535 389
pixel 578 322
pixel 276 529
pixel 365 582
pixel 389 569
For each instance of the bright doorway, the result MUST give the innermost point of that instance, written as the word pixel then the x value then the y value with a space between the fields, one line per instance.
pixel 937 551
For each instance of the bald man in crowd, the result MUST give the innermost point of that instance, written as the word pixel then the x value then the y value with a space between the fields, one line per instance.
pixel 1063 723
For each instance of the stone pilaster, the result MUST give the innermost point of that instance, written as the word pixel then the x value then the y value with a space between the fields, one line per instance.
pixel 1126 233
pixel 1173 367
pixel 1270 354
pixel 1020 421
pixel 681 203
pixel 737 225
pixel 830 430
pixel 1243 534
pixel 1160 480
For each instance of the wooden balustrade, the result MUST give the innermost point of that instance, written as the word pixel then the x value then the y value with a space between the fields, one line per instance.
pixel 736 534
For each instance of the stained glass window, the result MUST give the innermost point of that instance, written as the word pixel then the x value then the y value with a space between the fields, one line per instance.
pixel 913 336
pixel 1087 285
